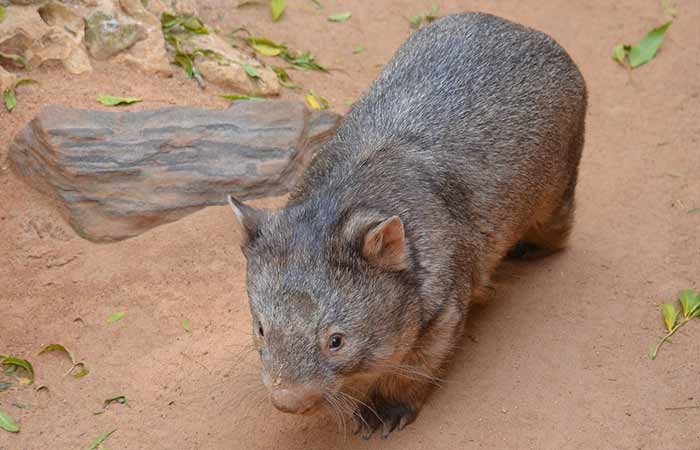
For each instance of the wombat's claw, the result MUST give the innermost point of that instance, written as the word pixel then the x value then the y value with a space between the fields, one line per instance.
pixel 388 417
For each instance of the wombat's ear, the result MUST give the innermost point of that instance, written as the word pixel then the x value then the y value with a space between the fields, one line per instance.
pixel 248 218
pixel 384 245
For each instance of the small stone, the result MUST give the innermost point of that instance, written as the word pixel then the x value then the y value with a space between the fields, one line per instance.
pixel 105 35
pixel 114 175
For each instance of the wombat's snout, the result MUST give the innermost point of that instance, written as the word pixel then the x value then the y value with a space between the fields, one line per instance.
pixel 296 399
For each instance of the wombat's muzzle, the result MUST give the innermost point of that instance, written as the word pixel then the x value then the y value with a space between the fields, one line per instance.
pixel 296 399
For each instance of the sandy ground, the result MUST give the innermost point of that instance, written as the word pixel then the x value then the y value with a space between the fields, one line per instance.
pixel 558 361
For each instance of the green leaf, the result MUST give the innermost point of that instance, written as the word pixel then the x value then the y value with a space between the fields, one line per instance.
pixel 233 98
pixel 194 25
pixel 115 317
pixel 2 13
pixel 415 21
pixel 619 53
pixel 7 423
pixel 277 8
pixel 112 100
pixel 103 437
pixel 10 99
pixel 265 46
pixel 168 20
pixel 359 49
pixel 18 362
pixel 692 303
pixel 250 70
pixel 644 50
pixel 304 61
pixel 340 17
pixel 186 322
pixel 58 348
pixel 316 101
pixel 284 79
pixel 685 297
pixel 317 3
pixel 670 316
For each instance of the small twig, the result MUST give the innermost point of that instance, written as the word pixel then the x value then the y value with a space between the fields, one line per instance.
pixel 675 408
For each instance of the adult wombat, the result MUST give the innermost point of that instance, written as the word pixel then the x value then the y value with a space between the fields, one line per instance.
pixel 465 147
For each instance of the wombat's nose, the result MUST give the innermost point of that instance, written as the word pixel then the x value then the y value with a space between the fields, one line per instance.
pixel 296 400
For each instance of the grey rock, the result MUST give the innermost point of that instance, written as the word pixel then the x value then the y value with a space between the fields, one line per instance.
pixel 105 35
pixel 114 175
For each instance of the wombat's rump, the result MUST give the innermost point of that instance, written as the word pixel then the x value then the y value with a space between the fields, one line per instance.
pixel 465 148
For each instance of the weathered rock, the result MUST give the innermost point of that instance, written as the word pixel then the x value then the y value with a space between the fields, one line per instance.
pixel 115 175
pixel 149 55
pixel 226 70
pixel 26 31
pixel 105 35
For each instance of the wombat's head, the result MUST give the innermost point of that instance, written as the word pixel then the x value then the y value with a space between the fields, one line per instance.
pixel 332 297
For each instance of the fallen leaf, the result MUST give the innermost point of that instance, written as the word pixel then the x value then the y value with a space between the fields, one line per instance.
pixel 18 362
pixel 317 3
pixel 115 317
pixel 359 49
pixel 283 78
pixel 277 8
pixel 80 373
pixel 186 325
pixel 620 52
pixel 15 58
pixel 234 97
pixel 112 100
pixel 304 60
pixel 7 423
pixel 10 99
pixel 670 316
pixel 244 3
pixel 58 348
pixel 265 46
pixel 646 49
pixel 250 70
pixel 340 17
pixel 694 211
pixel 4 386
pixel 121 399
pixel 316 101
pixel 103 437
pixel 41 387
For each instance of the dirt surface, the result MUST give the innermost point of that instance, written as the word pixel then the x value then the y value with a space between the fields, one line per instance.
pixel 557 361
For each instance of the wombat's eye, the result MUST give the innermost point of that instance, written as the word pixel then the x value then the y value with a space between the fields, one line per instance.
pixel 335 342
pixel 261 332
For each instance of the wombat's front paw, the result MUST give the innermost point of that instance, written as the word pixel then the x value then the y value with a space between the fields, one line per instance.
pixel 386 415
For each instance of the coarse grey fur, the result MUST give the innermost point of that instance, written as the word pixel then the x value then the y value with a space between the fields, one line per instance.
pixel 472 136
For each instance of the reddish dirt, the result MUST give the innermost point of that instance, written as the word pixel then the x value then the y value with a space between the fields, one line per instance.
pixel 557 361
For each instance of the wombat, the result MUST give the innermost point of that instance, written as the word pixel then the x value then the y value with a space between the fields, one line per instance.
pixel 464 150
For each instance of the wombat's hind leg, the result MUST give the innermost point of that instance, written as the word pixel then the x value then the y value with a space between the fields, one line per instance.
pixel 543 239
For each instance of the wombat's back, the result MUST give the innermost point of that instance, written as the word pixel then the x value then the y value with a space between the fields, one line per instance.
pixel 474 130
